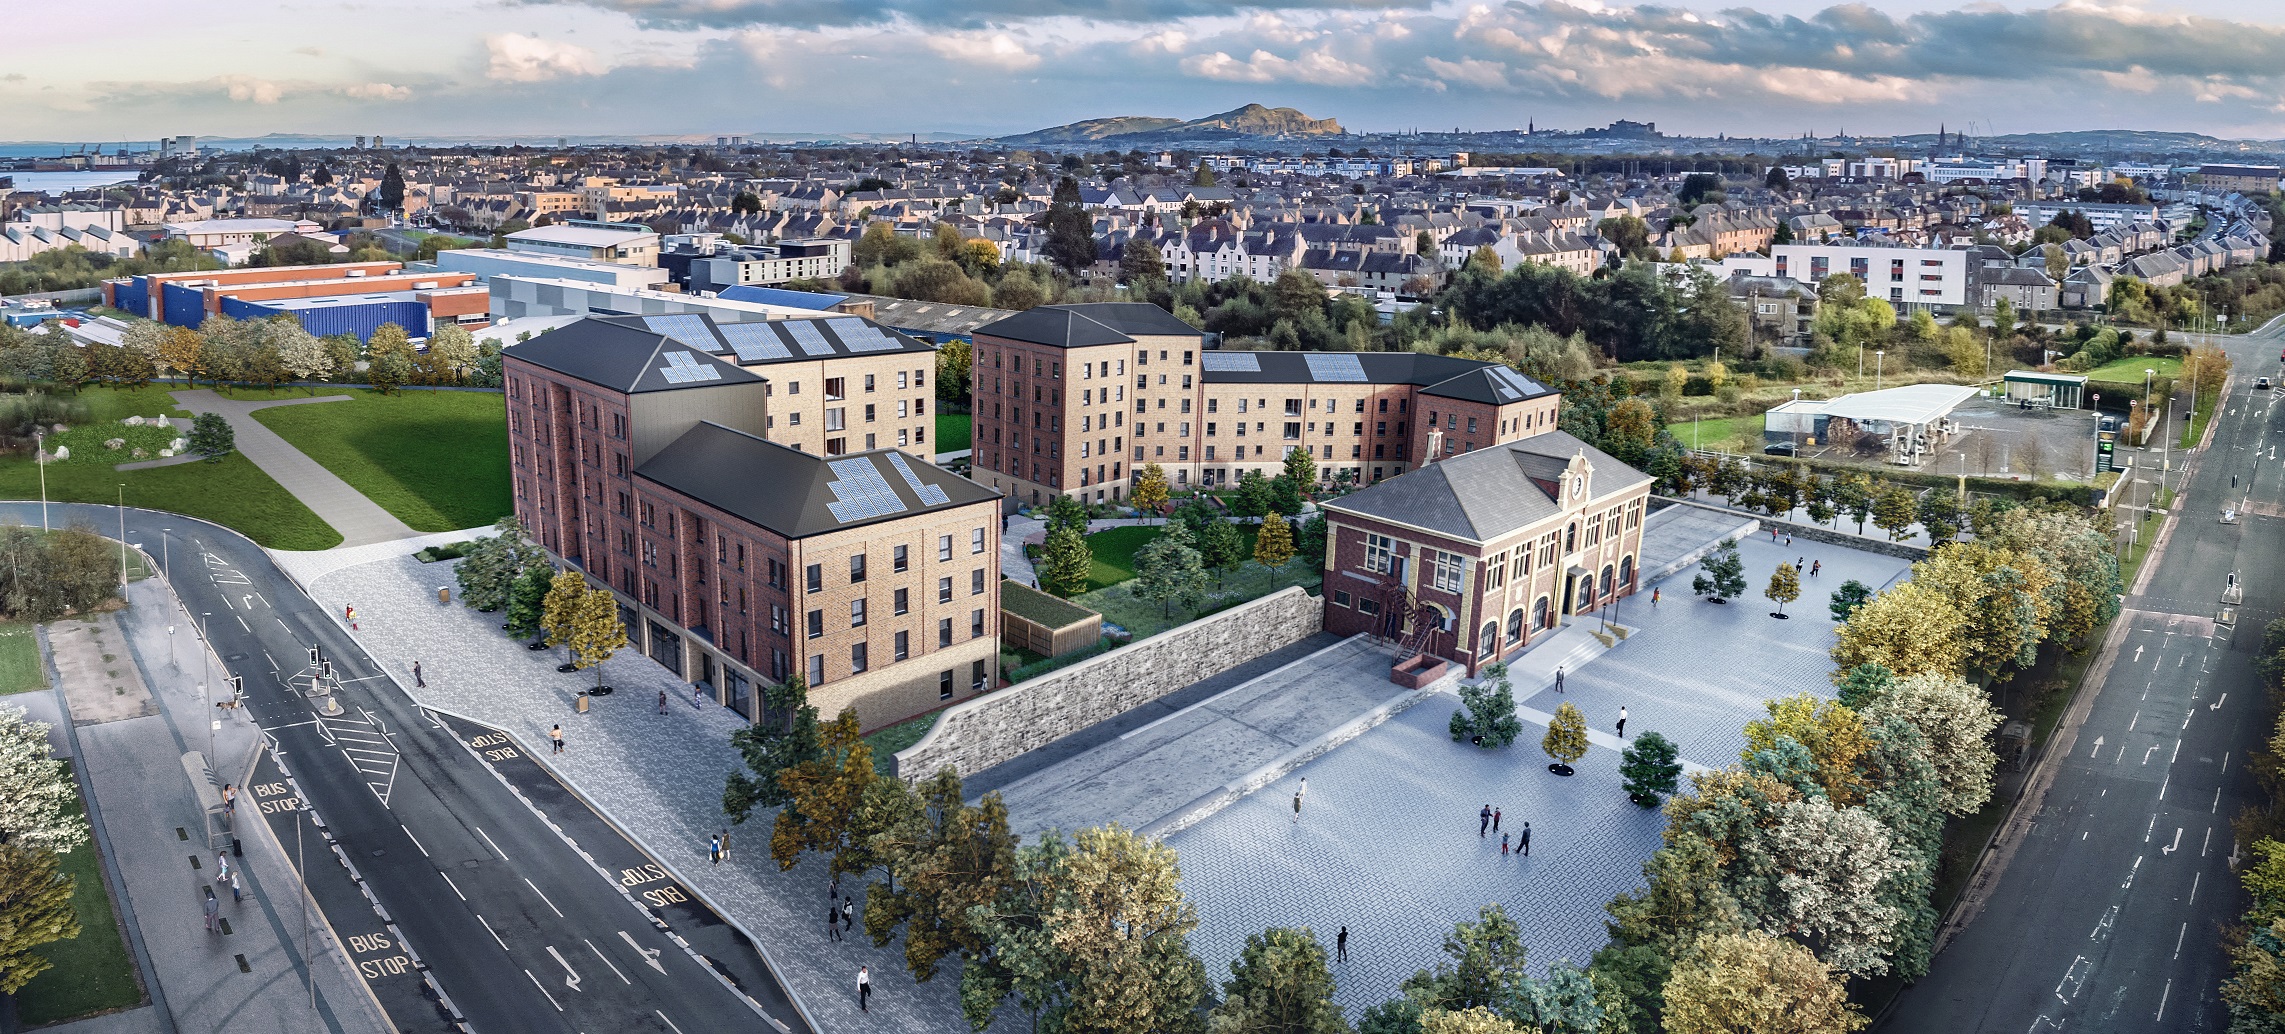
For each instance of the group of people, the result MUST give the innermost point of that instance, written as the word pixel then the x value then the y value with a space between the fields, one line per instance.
pixel 1515 841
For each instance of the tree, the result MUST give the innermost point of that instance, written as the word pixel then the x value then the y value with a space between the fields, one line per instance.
pixel 1894 512
pixel 1140 262
pixel 1865 683
pixel 1723 573
pixel 37 798
pixel 1784 587
pixel 596 632
pixel 1566 739
pixel 1273 545
pixel 1222 547
pixel 212 437
pixel 1203 176
pixel 1065 562
pixel 1833 735
pixel 954 360
pixel 1311 543
pixel 1845 600
pixel 953 857
pixel 1149 495
pixel 1908 629
pixel 1279 984
pixel 526 598
pixel 35 909
pixel 1484 959
pixel 1566 1002
pixel 389 358
pixel 822 794
pixel 1853 495
pixel 1650 767
pixel 1956 720
pixel 787 737
pixel 392 192
pixel 1285 496
pixel 299 352
pixel 490 567
pixel 1070 230
pixel 2004 596
pixel 1487 716
pixel 1478 1020
pixel 1169 570
pixel 453 349
pixel 1939 513
pixel 1776 179
pixel 1755 983
pixel 559 609
pixel 1300 469
pixel 1296 295
pixel 1628 233
pixel 1253 495
pixel 1092 937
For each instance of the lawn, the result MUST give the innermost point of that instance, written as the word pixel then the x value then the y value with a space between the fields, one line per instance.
pixel 92 972
pixel 2194 429
pixel 1115 550
pixel 438 460
pixel 886 742
pixel 233 493
pixel 20 668
pixel 1708 434
pixel 952 432
pixel 2130 369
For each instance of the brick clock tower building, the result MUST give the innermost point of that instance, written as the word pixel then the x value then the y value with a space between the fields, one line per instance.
pixel 760 499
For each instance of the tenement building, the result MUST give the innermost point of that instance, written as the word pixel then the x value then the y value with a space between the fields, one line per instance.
pixel 1471 558
pixel 759 498
pixel 1076 399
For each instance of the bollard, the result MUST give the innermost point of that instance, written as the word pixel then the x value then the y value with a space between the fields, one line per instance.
pixel 582 705
pixel 444 594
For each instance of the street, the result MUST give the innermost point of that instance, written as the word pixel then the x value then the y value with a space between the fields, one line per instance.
pixel 2109 911
pixel 471 891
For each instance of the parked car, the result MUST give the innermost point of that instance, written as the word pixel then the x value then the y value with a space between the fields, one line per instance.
pixel 1779 449
pixel 2261 384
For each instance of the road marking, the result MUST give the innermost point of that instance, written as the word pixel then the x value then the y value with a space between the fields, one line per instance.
pixel 2176 845
pixel 455 888
pixel 2097 752
pixel 550 904
pixel 650 955
pixel 2129 884
pixel 2225 766
pixel 242 624
pixel 2194 878
pixel 571 978
pixel 2177 753
pixel 2162 996
pixel 543 990
pixel 504 855
pixel 2217 808
pixel 2217 704
pixel 2186 717
pixel 416 840
pixel 2146 754
pixel 606 961
pixel 2102 924
pixel 2163 784
pixel 2209 842
pixel 2074 984
pixel 670 1023
pixel 2130 723
pixel 480 920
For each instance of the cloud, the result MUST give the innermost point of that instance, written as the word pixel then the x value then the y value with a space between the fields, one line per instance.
pixel 721 14
pixel 1317 67
pixel 377 92
pixel 248 88
pixel 993 50
pixel 517 58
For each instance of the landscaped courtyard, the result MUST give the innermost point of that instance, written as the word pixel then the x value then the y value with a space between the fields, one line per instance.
pixel 1111 589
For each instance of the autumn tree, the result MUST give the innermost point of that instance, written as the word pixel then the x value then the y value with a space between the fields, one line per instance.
pixel 1831 732
pixel 1566 739
pixel 1911 628
pixel 559 610
pixel 1149 495
pixel 1279 984
pixel 2002 594
pixel 35 909
pixel 2086 586
pixel 1478 1020
pixel 1784 587
pixel 822 794
pixel 1755 983
pixel 596 632
pixel 1273 545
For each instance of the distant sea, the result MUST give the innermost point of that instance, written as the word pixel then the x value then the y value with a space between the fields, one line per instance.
pixel 59 182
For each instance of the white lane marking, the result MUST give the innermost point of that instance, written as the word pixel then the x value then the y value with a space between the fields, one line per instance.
pixel 504 855
pixel 2176 845
pixel 606 961
pixel 2225 766
pixel 2163 784
pixel 2217 808
pixel 2209 842
pixel 669 1023
pixel 416 840
pixel 2217 704
pixel 242 624
pixel 2162 996
pixel 455 888
pixel 543 897
pixel 2194 878
pixel 571 978
pixel 650 955
pixel 2129 884
pixel 2132 722
pixel 543 990
pixel 480 920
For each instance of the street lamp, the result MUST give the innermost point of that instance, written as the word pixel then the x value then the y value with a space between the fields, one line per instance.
pixel 1879 361
pixel 40 460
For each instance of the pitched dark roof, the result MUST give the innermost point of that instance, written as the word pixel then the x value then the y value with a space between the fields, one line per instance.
pixel 1089 323
pixel 626 354
pixel 1491 384
pixel 1417 368
pixel 1482 495
pixel 795 493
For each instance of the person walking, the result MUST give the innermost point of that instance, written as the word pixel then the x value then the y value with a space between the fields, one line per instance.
pixel 864 989
pixel 697 697
pixel 1799 562
pixel 237 888
pixel 1297 808
pixel 1495 820
pixel 1484 821
pixel 1503 843
pixel 350 612
pixel 1622 721
pixel 213 913
pixel 555 739
pixel 222 870
pixel 725 838
pixel 1341 946
pixel 1654 598
pixel 1816 567
pixel 714 850
pixel 1559 679
pixel 662 701
pixel 832 922
pixel 1523 840
pixel 418 682
pixel 849 913
pixel 833 889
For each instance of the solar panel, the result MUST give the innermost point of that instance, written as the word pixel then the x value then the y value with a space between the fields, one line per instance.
pixel 1334 366
pixel 1230 362
pixel 860 492
pixel 930 495
pixel 860 336
pixel 754 342
pixel 684 368
pixel 686 327
pixel 805 334
pixel 1512 386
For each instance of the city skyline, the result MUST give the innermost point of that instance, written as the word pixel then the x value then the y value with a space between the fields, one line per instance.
pixel 548 68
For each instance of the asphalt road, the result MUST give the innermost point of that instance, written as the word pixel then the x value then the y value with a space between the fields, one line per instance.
pixel 445 830
pixel 2109 913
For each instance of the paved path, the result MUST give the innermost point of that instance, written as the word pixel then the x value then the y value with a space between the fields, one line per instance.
pixel 359 520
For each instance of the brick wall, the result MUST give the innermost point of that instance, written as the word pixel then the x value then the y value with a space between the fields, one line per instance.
pixel 998 726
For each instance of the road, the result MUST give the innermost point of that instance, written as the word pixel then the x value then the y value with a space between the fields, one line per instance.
pixel 449 833
pixel 2108 914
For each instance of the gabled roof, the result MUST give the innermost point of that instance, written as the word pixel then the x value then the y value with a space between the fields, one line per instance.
pixel 1091 323
pixel 1490 384
pixel 798 494
pixel 1489 493
pixel 626 354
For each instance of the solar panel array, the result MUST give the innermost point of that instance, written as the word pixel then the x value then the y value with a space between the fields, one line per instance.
pixel 1334 366
pixel 805 334
pixel 684 368
pixel 686 327
pixel 754 342
pixel 930 495
pixel 860 492
pixel 1230 362
pixel 860 336
pixel 1510 385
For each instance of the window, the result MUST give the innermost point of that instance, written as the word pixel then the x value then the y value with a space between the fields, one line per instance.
pixel 944 685
pixel 944 547
pixel 975 541
pixel 869 382
pixel 1340 599
pixel 944 632
pixel 857 568
pixel 816 668
pixel 903 600
pixel 871 408
pixel 837 419
pixel 1380 551
pixel 835 387
pixel 857 659
pixel 856 613
pixel 944 590
pixel 816 624
pixel 903 648
pixel 975 624
pixel 976 582
pixel 1448 569
pixel 900 558
pixel 814 578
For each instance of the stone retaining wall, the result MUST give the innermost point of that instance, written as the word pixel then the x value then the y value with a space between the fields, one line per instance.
pixel 980 733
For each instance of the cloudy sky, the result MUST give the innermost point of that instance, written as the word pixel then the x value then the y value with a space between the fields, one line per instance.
pixel 573 67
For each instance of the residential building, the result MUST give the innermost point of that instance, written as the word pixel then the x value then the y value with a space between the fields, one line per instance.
pixel 2244 179
pixel 645 454
pixel 769 264
pixel 1904 277
pixel 2027 290
pixel 2102 217
pixel 628 243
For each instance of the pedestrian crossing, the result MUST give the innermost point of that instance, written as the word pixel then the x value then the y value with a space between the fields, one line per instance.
pixel 361 738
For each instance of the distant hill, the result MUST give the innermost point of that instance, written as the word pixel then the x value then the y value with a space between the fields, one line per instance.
pixel 1252 120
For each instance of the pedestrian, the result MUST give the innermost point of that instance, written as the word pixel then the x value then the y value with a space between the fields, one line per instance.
pixel 1559 679
pixel 1816 567
pixel 1799 562
pixel 1305 786
pixel 1523 841
pixel 2233 481
pixel 1654 598
pixel 229 799
pixel 1483 821
pixel 697 697
pixel 832 922
pixel 1495 820
pixel 237 888
pixel 1297 808
pixel 1503 843
pixel 555 737
pixel 1788 541
pixel 1622 721
pixel 350 612
pixel 849 912
pixel 213 913
pixel 725 837
pixel 417 680
pixel 1341 946
pixel 714 849
pixel 833 889
pixel 662 701
pixel 222 870
pixel 864 989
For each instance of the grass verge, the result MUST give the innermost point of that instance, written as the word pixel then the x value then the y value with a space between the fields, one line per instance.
pixel 20 667
pixel 438 460
pixel 93 973
pixel 886 742
pixel 952 432
pixel 2195 432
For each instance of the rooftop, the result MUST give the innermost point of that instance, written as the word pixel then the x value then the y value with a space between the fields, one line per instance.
pixel 633 354
pixel 1910 404
pixel 798 494
pixel 581 236
pixel 1483 495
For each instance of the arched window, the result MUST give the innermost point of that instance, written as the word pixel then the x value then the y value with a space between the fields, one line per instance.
pixel 1570 538
pixel 1488 642
pixel 1609 579
pixel 1626 571
pixel 1515 626
pixel 1539 615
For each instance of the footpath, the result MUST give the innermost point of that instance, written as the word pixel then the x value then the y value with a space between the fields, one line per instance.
pixel 359 520
pixel 153 757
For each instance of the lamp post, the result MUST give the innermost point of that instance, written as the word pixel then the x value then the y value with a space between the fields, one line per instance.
pixel 122 540
pixel 40 460
pixel 2149 379
pixel 206 676
pixel 1879 362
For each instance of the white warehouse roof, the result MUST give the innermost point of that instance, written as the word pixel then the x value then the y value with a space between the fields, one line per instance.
pixel 1910 404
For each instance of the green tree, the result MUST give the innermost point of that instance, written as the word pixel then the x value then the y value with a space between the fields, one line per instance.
pixel 956 857
pixel 1483 960
pixel 1273 545
pixel 1777 180
pixel 1939 513
pixel 1784 586
pixel 1140 262
pixel 35 909
pixel 1566 739
pixel 392 192
pixel 1311 543
pixel 1070 230
pixel 1723 573
pixel 212 437
pixel 1862 685
pixel 1894 511
pixel 1169 570
pixel 1296 295
pixel 1853 495
pixel 490 567
pixel 1845 600
pixel 1203 176
pixel 1284 496
pixel 1222 548
pixel 786 738
pixel 525 599
pixel 1149 495
pixel 1252 496
pixel 1065 562
pixel 1628 233
pixel 389 358
pixel 1279 984
pixel 1565 1002
pixel 1301 469
pixel 822 794
pixel 1487 715
pixel 953 361
pixel 1649 767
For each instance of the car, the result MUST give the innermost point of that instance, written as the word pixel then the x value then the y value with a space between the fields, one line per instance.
pixel 2261 384
pixel 1779 449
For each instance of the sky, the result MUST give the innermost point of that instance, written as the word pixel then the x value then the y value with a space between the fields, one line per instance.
pixel 548 68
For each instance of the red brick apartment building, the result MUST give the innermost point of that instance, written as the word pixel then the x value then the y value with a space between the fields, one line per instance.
pixel 1073 399
pixel 759 497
